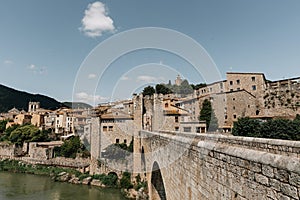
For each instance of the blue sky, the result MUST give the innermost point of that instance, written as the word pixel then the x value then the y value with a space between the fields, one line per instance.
pixel 44 43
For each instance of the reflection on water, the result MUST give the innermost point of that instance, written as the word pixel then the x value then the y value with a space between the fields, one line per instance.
pixel 31 187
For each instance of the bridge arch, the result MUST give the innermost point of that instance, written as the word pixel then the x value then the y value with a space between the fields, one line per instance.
pixel 157 185
pixel 143 160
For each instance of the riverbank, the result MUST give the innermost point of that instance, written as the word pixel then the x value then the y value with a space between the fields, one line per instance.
pixel 111 180
pixel 22 186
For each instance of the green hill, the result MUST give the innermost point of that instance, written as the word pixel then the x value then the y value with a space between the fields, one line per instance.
pixel 75 105
pixel 10 98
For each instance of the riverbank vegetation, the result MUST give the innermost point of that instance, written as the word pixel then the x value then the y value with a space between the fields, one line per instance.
pixel 73 176
pixel 273 128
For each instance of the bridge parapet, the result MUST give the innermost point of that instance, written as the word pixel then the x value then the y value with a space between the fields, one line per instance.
pixel 222 167
pixel 281 147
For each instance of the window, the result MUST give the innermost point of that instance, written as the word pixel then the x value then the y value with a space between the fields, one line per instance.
pixel 117 141
pixel 238 82
pixel 104 128
pixel 125 141
pixel 226 116
pixel 176 119
pixel 253 87
pixel 231 83
pixel 221 85
pixel 238 89
pixel 166 105
pixel 110 128
pixel 187 129
pixel 176 128
pixel 234 116
pixel 233 99
pixel 210 89
pixel 233 107
pixel 257 112
pixel 198 130
pixel 231 90
pixel 253 78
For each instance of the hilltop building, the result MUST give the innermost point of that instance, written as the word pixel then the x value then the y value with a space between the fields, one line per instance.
pixel 178 80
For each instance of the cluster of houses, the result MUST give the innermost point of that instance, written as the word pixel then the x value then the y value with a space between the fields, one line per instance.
pixel 63 122
pixel 240 95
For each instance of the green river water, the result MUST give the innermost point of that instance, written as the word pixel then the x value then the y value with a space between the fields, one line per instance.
pixel 15 186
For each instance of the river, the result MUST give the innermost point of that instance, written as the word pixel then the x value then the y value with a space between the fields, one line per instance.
pixel 15 186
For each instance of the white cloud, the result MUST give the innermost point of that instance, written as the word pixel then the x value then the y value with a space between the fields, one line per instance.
pixel 96 21
pixel 150 79
pixel 8 62
pixel 83 96
pixel 124 78
pixel 32 67
pixel 37 70
pixel 92 76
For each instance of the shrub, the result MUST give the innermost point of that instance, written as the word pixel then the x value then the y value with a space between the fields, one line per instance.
pixel 125 181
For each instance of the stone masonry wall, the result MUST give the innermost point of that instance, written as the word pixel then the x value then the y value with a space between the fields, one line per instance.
pixel 221 167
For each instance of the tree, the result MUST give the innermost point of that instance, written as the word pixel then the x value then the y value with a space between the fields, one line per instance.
pixel 149 90
pixel 198 86
pixel 208 115
pixel 246 127
pixel 162 89
pixel 275 128
pixel 27 133
pixel 278 129
pixel 3 125
pixel 185 88
pixel 70 147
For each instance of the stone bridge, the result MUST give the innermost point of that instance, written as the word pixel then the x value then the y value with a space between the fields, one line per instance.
pixel 210 166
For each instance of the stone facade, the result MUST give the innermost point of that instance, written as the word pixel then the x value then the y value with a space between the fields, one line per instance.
pixel 42 150
pixel 250 95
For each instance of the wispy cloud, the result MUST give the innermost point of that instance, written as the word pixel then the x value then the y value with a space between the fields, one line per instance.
pixel 96 20
pixel 92 76
pixel 149 79
pixel 124 78
pixel 83 96
pixel 32 67
pixel 8 62
pixel 37 70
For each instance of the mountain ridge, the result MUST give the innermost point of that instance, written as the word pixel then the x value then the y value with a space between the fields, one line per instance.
pixel 12 98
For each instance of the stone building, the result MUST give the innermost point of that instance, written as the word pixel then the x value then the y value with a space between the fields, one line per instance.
pixel 251 95
pixel 116 122
pixel 22 119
